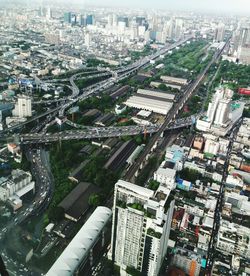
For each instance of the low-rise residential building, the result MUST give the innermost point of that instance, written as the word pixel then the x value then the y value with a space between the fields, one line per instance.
pixel 233 239
pixel 18 184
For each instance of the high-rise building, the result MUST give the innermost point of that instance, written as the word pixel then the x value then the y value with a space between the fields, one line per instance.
pixel 90 20
pixel 83 20
pixel 67 17
pixel 222 114
pixel 73 19
pixel 141 226
pixel 110 20
pixel 244 46
pixel 140 20
pixel 219 108
pixel 123 19
pixel 48 13
pixel 220 32
pixel 179 24
pixel 212 107
pixel 23 107
pixel 115 20
pixel 88 40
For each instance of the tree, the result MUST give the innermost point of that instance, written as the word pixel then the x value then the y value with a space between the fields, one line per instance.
pixel 163 87
pixel 153 185
pixel 94 200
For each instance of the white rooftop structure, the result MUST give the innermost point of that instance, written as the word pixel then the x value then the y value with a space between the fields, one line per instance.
pixel 174 80
pixel 81 244
pixel 135 189
pixel 153 104
pixel 144 113
pixel 153 93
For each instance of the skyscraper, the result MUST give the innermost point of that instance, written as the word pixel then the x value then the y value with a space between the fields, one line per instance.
pixel 244 47
pixel 83 20
pixel 67 17
pixel 140 227
pixel 123 19
pixel 90 19
pixel 48 13
pixel 220 32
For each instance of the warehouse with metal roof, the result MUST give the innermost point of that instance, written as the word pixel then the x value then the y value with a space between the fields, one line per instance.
pixel 158 94
pixel 151 103
pixel 79 248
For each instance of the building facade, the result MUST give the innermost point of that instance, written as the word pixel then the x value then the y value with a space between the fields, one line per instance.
pixel 141 227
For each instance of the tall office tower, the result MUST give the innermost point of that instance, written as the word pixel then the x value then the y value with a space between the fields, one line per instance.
pixel 220 32
pixel 88 40
pixel 134 31
pixel 179 24
pixel 73 19
pixel 236 40
pixel 115 21
pixel 110 20
pixel 244 47
pixel 83 21
pixel 140 20
pixel 48 13
pixel 170 29
pixel 140 227
pixel 141 31
pixel 67 17
pixel 40 11
pixel 23 107
pixel 123 19
pixel 90 20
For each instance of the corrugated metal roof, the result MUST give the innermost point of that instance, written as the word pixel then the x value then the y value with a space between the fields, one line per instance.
pixel 79 247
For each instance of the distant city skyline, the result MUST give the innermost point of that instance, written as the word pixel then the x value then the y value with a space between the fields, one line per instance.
pixel 219 7
pixel 222 6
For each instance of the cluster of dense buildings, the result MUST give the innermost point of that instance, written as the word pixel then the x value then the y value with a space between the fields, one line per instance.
pixel 155 100
pixel 175 214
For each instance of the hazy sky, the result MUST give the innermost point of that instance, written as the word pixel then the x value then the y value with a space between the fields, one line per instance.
pixel 205 5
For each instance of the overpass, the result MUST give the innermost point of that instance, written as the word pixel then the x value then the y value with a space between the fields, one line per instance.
pixel 89 132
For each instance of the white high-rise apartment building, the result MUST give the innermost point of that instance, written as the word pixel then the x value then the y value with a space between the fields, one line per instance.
pixel 223 110
pixel 141 227
pixel 219 108
pixel 23 107
pixel 212 107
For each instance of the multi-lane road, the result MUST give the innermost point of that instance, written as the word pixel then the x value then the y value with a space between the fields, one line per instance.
pixel 86 132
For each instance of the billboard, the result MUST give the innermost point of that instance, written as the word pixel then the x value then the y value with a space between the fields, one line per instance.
pixel 244 91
